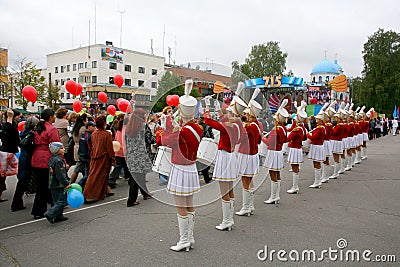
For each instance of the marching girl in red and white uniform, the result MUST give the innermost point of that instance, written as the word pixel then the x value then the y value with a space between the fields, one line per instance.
pixel 274 158
pixel 248 153
pixel 225 169
pixel 337 143
pixel 329 111
pixel 350 140
pixel 359 137
pixel 295 138
pixel 366 117
pixel 184 180
pixel 317 153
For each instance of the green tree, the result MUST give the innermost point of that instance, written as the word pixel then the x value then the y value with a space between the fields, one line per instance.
pixel 263 60
pixel 52 96
pixel 26 74
pixel 380 85
pixel 169 84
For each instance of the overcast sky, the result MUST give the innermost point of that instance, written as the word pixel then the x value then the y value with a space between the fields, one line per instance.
pixel 211 31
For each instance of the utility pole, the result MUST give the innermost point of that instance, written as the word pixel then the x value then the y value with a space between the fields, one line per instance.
pixel 120 36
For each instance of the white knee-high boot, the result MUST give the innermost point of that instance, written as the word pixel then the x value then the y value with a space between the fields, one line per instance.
pixel 317 179
pixel 246 204
pixel 251 203
pixel 358 157
pixel 325 173
pixel 191 228
pixel 335 171
pixel 341 162
pixel 226 209
pixel 364 153
pixel 353 159
pixel 274 198
pixel 232 211
pixel 295 186
pixel 183 243
pixel 348 163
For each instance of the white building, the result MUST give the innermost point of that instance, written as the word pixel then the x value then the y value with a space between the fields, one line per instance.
pixel 95 66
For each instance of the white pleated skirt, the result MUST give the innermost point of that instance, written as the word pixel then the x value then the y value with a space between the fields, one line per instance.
pixel 183 180
pixel 317 153
pixel 345 143
pixel 327 148
pixel 226 167
pixel 353 141
pixel 274 160
pixel 248 164
pixel 337 147
pixel 360 139
pixel 295 155
pixel 365 137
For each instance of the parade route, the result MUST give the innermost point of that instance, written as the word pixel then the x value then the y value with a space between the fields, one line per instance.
pixel 358 211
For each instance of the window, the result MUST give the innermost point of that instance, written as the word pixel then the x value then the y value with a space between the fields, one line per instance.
pixel 141 70
pixel 62 69
pixel 153 84
pixel 111 80
pixel 62 95
pixel 74 79
pixel 113 66
pixel 74 67
pixel 56 69
pixel 128 82
pixel 153 72
pixel 320 79
pixel 62 81
pixel 56 82
pixel 68 95
pixel 94 79
pixel 68 68
pixel 94 64
pixel 80 66
pixel 140 83
pixel 85 65
pixel 327 79
pixel 128 68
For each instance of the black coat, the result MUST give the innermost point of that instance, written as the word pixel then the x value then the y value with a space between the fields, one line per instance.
pixel 24 161
pixel 9 137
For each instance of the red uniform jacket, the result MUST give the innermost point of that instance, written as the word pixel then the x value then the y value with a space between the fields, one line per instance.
pixel 337 132
pixel 297 136
pixel 184 143
pixel 250 139
pixel 328 130
pixel 344 130
pixel 317 136
pixel 276 138
pixel 229 132
pixel 351 129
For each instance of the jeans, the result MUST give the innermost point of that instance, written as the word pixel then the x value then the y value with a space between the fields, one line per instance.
pixel 84 168
pixel 163 179
pixel 136 183
pixel 43 194
pixel 60 201
pixel 120 165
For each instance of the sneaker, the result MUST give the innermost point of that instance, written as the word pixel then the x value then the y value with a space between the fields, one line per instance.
pixel 60 219
pixel 51 220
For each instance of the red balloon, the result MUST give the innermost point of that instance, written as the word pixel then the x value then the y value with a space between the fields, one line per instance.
pixel 175 100
pixel 79 89
pixel 77 106
pixel 102 97
pixel 111 110
pixel 71 87
pixel 169 100
pixel 30 93
pixel 119 80
pixel 118 100
pixel 129 108
pixel 21 125
pixel 123 105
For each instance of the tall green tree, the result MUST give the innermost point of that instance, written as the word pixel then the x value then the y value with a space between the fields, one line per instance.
pixel 52 96
pixel 380 85
pixel 25 74
pixel 169 84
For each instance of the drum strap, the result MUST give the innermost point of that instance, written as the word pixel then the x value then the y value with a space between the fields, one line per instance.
pixel 259 130
pixel 193 131
pixel 283 129
pixel 238 129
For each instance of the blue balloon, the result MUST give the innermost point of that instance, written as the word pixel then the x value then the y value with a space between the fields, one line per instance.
pixel 18 154
pixel 75 198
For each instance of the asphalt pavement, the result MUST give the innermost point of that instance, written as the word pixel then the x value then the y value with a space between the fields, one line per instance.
pixel 357 214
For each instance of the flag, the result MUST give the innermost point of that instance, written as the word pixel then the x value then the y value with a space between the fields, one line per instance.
pixel 395 112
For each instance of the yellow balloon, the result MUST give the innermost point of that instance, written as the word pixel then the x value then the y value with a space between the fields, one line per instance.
pixel 116 146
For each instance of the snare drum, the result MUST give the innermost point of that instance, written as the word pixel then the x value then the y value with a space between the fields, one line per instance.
pixel 207 151
pixel 162 164
pixel 262 149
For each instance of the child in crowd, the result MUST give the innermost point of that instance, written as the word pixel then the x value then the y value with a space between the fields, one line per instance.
pixel 58 183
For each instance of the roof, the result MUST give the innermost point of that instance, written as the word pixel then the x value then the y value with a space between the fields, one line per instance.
pixel 325 66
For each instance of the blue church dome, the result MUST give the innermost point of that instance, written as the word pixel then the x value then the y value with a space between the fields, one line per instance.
pixel 325 66
pixel 338 67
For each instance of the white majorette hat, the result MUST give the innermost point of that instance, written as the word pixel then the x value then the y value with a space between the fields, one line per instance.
pixel 341 111
pixel 361 113
pixel 351 111
pixel 187 103
pixel 321 113
pixel 356 112
pixel 330 111
pixel 282 114
pixel 301 110
pixel 369 112
pixel 238 105
pixel 254 107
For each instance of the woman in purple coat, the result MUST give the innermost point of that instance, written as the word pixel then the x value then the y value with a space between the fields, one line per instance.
pixel 45 134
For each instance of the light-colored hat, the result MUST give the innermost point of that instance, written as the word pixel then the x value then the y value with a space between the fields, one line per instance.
pixel 187 103
pixel 321 113
pixel 254 107
pixel 330 111
pixel 361 113
pixel 342 110
pixel 369 112
pixel 54 147
pixel 351 111
pixel 301 110
pixel 282 114
pixel 238 105
pixel 356 115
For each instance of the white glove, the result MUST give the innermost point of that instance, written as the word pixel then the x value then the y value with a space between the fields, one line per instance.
pixel 207 100
pixel 217 106
pixel 163 120
pixel 174 123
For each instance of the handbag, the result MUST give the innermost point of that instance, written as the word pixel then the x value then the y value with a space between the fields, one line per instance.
pixel 27 142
